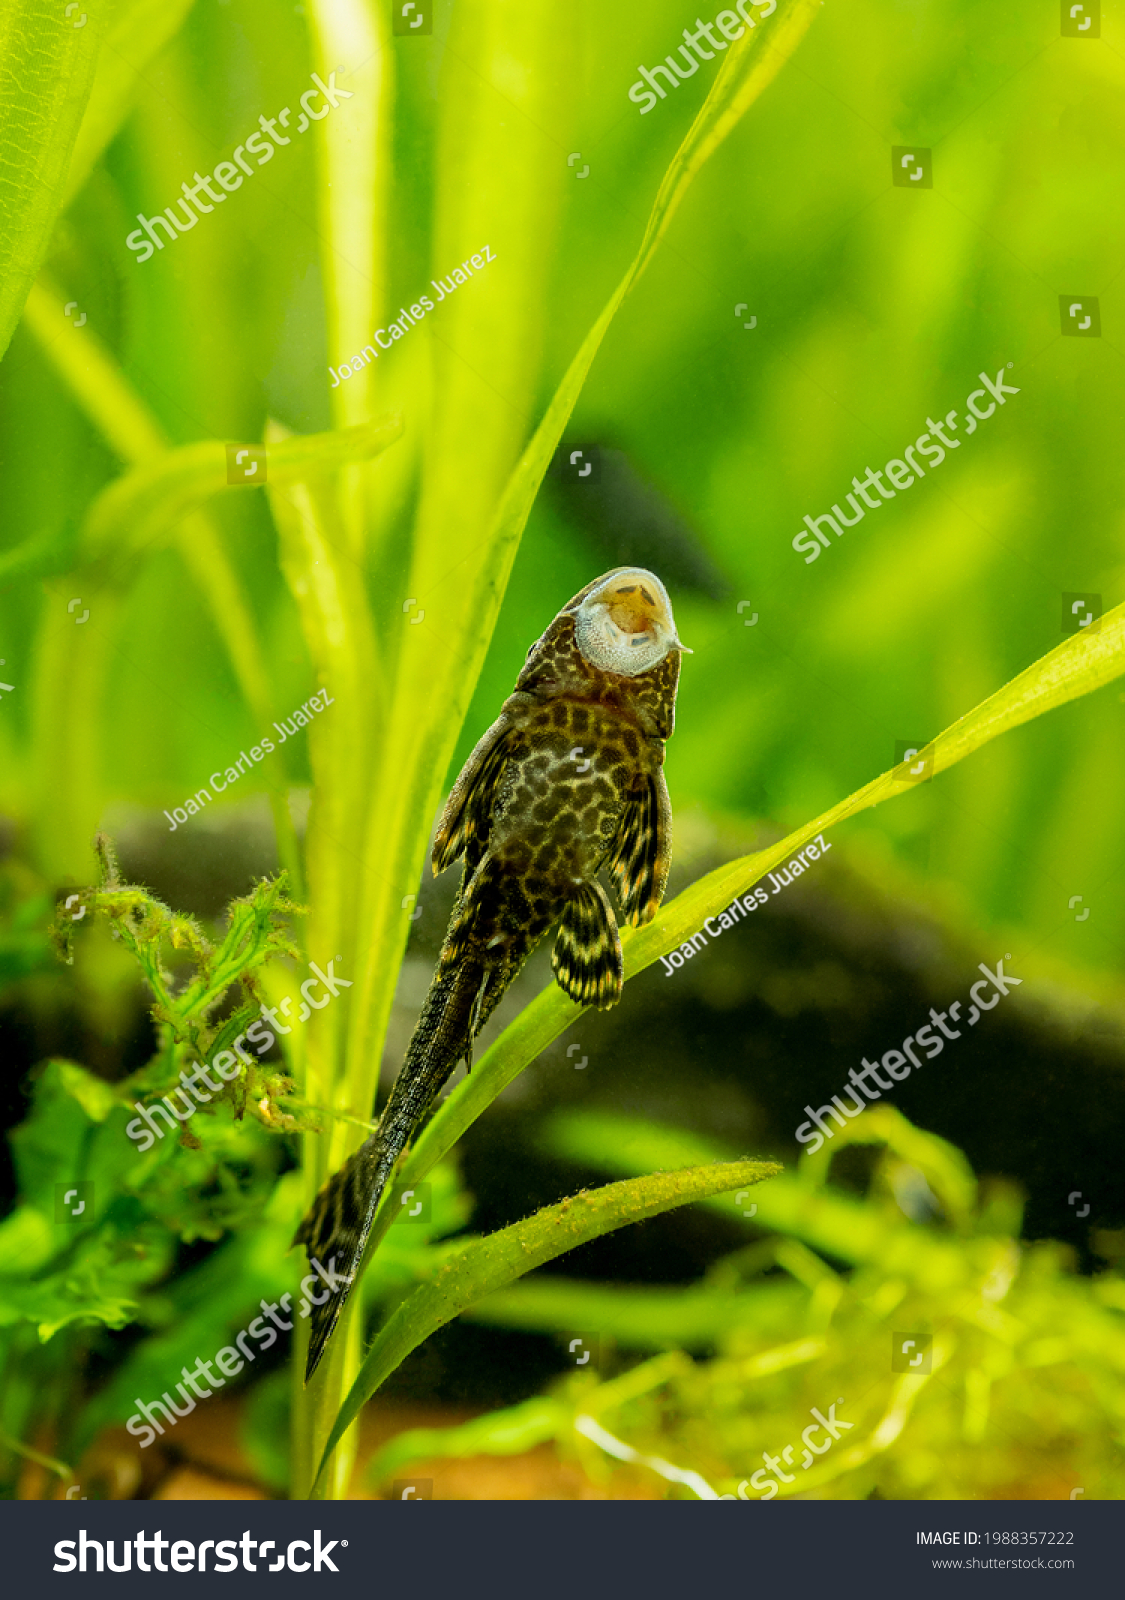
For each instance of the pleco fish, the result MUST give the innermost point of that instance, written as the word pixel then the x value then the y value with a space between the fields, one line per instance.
pixel 568 780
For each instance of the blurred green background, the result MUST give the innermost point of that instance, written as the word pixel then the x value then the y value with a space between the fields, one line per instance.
pixel 875 307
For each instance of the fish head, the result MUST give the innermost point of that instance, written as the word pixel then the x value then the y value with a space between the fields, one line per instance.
pixel 624 622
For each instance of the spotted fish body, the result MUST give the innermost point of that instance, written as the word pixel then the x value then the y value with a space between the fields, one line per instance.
pixel 567 782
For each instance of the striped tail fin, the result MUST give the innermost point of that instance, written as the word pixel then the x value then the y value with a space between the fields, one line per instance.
pixel 339 1221
pixel 337 1226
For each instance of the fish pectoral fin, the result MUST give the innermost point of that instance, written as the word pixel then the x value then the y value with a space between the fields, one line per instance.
pixel 587 961
pixel 642 851
pixel 464 822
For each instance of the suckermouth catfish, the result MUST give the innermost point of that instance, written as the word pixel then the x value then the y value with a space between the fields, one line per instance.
pixel 568 781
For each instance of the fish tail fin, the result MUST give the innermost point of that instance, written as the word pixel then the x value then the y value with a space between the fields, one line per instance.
pixel 336 1228
pixel 334 1233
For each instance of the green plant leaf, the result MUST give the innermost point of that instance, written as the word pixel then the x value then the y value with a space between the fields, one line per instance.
pixel 144 504
pixel 420 742
pixel 623 1145
pixel 96 1097
pixel 44 88
pixel 490 1263
pixel 493 187
pixel 636 1317
pixel 336 623
pixel 194 1314
pixel 801 1216
pixel 352 154
pixel 94 377
pixel 1078 666
pixel 27 1241
pixel 41 555
pixel 97 1282
pixel 139 31
pixel 503 192
pixel 750 66
pixel 500 1433
pixel 828 1220
pixel 137 509
pixel 102 390
pixel 432 690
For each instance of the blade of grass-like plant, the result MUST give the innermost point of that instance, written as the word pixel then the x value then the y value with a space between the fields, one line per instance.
pixel 750 66
pixel 649 1317
pixel 37 557
pixel 138 508
pixel 827 1219
pixel 481 369
pixel 328 590
pixel 622 1146
pixel 353 161
pixel 69 667
pixel 1076 667
pixel 497 187
pixel 499 1433
pixel 93 377
pixel 434 693
pixel 111 403
pixel 330 594
pixel 138 32
pixel 143 505
pixel 487 1264
pixel 793 1206
pixel 48 71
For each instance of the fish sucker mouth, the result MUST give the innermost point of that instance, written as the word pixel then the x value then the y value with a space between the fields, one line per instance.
pixel 634 609
pixel 624 624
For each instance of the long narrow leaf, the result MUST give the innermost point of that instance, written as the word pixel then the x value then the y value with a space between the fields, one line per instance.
pixel 104 393
pixel 499 189
pixel 489 1264
pixel 1076 667
pixel 336 624
pixel 138 32
pixel 750 67
pixel 95 380
pixel 47 71
pixel 354 163
pixel 352 151
pixel 400 823
pixel 146 503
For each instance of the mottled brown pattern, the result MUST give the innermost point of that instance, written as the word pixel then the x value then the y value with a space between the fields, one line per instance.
pixel 567 782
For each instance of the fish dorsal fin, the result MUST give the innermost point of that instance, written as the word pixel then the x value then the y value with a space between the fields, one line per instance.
pixel 642 851
pixel 587 961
